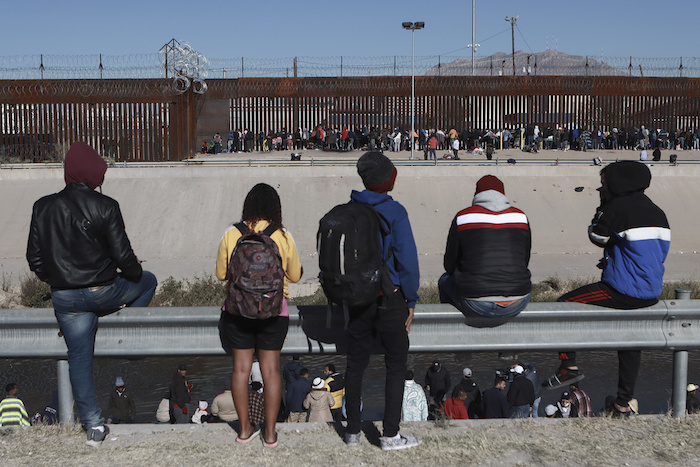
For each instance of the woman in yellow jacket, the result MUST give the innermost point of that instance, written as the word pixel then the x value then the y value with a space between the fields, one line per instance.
pixel 243 336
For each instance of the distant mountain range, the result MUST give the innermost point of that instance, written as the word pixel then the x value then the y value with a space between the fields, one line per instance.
pixel 549 62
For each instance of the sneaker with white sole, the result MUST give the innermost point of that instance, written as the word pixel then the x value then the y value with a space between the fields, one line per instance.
pixel 353 439
pixel 96 435
pixel 398 442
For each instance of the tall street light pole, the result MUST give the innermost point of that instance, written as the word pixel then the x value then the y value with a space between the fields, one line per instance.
pixel 473 45
pixel 412 27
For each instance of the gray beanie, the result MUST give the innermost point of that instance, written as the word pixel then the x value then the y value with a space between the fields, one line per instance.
pixel 377 172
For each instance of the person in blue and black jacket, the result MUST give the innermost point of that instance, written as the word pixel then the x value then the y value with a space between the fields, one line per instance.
pixel 636 237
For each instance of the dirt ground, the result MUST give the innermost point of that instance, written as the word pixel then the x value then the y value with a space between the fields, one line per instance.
pixel 639 441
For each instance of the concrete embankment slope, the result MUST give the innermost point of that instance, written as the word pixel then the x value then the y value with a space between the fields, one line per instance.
pixel 175 216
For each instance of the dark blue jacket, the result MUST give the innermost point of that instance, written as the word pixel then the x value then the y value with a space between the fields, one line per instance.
pixel 495 404
pixel 296 393
pixel 403 264
pixel 291 372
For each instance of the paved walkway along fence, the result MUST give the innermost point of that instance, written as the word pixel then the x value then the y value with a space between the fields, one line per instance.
pixel 192 331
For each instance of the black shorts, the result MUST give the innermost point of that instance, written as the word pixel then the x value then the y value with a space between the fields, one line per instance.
pixel 237 332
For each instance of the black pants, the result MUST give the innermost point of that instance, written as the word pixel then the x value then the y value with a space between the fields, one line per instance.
pixel 601 294
pixel 385 318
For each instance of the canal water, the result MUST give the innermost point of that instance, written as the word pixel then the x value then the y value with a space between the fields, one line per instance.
pixel 148 379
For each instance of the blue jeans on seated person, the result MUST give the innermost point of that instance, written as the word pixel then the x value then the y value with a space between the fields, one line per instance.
pixel 477 308
pixel 77 311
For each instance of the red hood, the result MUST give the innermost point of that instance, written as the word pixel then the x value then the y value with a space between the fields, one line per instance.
pixel 84 165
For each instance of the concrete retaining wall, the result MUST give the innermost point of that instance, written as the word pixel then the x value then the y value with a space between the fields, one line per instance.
pixel 175 216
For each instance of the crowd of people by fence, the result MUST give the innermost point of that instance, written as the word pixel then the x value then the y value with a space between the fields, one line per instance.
pixel 529 138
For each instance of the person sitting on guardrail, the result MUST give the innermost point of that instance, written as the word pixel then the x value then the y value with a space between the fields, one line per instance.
pixel 487 256
pixel 636 237
pixel 78 245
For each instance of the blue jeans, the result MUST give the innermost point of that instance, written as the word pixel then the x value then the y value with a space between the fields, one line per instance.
pixel 520 411
pixel 536 407
pixel 476 308
pixel 77 311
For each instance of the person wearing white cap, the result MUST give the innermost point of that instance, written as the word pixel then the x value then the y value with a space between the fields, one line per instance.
pixel 521 394
pixel 319 402
pixel 692 403
pixel 121 407
pixel 473 400
pixel 551 412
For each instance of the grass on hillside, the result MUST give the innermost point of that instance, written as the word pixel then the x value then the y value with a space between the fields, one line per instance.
pixel 209 291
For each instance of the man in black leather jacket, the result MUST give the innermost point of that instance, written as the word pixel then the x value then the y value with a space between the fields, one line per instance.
pixel 78 245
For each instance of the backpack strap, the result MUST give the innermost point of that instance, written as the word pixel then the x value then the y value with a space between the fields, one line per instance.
pixel 269 230
pixel 242 228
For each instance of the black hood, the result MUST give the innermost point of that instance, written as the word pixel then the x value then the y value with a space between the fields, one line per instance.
pixel 625 177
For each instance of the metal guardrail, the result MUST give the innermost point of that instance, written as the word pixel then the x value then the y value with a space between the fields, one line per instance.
pixel 138 332
pixel 172 331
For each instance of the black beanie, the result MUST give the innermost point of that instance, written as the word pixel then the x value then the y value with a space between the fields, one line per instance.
pixel 377 172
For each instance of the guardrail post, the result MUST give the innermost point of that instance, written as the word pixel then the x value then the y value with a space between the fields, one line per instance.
pixel 680 382
pixel 65 393
pixel 680 370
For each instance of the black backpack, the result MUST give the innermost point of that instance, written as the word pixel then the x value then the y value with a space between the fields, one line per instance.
pixel 256 276
pixel 349 243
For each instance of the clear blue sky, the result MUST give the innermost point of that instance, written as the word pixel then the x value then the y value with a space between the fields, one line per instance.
pixel 275 28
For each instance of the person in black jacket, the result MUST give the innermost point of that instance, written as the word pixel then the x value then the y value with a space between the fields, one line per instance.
pixel 437 382
pixel 487 256
pixel 294 399
pixel 77 243
pixel 180 396
pixel 494 402
pixel 521 394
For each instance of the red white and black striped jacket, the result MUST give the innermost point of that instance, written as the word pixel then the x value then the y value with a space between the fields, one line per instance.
pixel 488 249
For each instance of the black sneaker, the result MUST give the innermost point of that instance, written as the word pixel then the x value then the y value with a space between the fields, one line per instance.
pixel 96 435
pixel 564 377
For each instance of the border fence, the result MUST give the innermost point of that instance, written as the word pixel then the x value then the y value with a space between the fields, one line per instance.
pixel 162 119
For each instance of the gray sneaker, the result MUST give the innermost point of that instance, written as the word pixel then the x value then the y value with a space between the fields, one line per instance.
pixel 353 439
pixel 402 442
pixel 96 435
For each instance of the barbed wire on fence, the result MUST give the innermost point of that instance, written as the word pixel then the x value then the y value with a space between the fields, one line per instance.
pixel 549 62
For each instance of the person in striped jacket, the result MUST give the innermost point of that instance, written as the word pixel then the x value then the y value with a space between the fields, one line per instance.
pixel 12 411
pixel 487 256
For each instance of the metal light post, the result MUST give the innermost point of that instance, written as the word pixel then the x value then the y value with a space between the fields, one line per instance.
pixel 412 27
pixel 474 45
